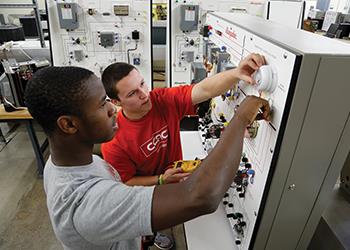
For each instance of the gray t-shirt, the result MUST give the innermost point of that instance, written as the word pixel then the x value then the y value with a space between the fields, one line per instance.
pixel 90 208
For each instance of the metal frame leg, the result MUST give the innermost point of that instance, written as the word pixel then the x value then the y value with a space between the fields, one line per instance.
pixel 37 149
pixel 2 137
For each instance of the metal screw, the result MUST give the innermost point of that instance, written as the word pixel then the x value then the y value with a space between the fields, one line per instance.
pixel 291 187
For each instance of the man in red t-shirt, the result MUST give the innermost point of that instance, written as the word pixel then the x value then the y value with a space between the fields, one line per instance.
pixel 148 138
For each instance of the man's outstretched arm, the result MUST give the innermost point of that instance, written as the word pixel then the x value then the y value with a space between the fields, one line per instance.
pixel 223 81
pixel 202 191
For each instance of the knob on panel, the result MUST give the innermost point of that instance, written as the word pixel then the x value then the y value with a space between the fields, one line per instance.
pixel 266 78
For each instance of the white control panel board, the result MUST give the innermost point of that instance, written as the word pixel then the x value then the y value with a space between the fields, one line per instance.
pixel 186 19
pixel 243 199
pixel 94 34
pixel 289 164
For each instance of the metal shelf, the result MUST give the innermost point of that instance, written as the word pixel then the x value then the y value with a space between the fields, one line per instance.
pixel 34 6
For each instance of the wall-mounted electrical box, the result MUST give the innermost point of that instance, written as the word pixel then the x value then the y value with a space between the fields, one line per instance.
pixel 68 15
pixel 189 17
pixel 107 39
pixel 198 72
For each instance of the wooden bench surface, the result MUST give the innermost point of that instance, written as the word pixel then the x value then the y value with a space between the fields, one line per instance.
pixel 15 115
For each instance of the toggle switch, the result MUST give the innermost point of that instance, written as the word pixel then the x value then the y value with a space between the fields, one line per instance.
pixel 239 215
pixel 266 78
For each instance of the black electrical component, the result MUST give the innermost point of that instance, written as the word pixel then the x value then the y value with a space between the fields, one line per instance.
pixel 135 35
pixel 203 108
pixel 231 216
pixel 242 223
pixel 222 118
pixel 205 31
pixel 239 215
pixel 9 32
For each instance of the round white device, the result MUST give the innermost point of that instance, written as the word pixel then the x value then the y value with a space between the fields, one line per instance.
pixel 265 78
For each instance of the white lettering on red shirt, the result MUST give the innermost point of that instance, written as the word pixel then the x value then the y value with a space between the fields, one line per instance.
pixel 158 140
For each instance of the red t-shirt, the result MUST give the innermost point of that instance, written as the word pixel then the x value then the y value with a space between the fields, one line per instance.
pixel 147 146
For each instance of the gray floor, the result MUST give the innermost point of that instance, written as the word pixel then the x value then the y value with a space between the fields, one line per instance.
pixel 24 222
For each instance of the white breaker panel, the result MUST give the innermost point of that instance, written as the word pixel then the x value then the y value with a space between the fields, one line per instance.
pixel 94 34
pixel 243 199
pixel 187 45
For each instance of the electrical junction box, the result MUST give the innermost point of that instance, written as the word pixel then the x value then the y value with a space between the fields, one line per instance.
pixel 68 15
pixel 198 72
pixel 221 56
pixel 188 56
pixel 189 17
pixel 212 50
pixel 107 39
pixel 79 55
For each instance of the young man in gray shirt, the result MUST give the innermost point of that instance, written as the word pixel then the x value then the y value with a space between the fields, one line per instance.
pixel 89 207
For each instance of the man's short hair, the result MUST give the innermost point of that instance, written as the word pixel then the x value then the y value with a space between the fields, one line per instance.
pixel 56 91
pixel 112 75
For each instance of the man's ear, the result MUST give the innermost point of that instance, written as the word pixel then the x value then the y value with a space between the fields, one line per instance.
pixel 67 124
